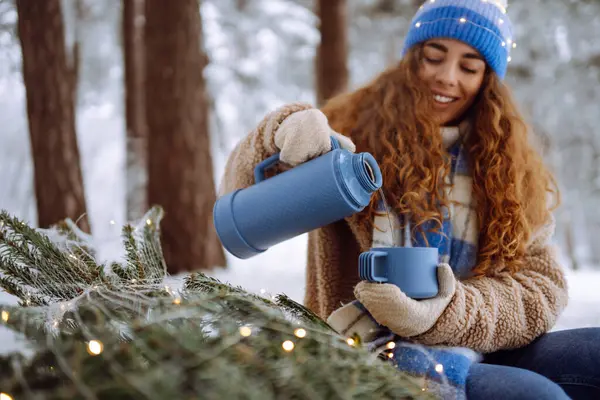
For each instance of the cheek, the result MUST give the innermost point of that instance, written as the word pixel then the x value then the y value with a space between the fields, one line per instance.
pixel 472 88
pixel 425 72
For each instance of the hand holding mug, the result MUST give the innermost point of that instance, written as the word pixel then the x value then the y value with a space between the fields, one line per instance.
pixel 405 316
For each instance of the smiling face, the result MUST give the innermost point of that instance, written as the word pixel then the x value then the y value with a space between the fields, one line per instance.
pixel 454 73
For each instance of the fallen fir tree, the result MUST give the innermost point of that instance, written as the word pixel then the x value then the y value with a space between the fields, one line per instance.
pixel 117 331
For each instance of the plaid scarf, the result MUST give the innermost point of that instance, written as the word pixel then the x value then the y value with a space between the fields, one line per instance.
pixel 456 240
pixel 444 370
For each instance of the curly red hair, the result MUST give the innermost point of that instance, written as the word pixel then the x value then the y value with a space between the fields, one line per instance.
pixel 390 117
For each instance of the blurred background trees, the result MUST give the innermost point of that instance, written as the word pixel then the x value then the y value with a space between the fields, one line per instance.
pixel 147 134
pixel 50 77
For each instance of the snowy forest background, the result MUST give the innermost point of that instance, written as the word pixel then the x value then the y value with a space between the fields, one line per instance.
pixel 261 55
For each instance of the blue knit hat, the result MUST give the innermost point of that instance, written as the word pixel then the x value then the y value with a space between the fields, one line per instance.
pixel 482 24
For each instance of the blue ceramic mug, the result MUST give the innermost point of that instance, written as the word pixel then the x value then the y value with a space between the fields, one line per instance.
pixel 412 269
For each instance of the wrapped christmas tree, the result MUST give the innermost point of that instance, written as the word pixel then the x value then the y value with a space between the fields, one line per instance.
pixel 117 331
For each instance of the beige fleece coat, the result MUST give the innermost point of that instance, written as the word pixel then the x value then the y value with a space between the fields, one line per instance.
pixel 485 314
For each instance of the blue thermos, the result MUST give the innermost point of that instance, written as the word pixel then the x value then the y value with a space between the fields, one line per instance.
pixel 311 195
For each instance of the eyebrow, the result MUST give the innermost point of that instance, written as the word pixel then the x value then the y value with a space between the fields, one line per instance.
pixel 443 48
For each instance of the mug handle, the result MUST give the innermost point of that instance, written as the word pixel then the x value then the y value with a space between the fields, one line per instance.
pixel 369 266
pixel 259 170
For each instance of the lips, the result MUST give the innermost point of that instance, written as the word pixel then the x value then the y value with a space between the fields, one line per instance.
pixel 442 98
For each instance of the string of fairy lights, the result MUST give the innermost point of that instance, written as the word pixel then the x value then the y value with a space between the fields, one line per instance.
pixel 95 347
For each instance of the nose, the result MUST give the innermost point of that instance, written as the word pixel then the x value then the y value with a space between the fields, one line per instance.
pixel 447 75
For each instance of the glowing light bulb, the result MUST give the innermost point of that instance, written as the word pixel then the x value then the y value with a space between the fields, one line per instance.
pixel 5 315
pixel 288 345
pixel 4 396
pixel 418 25
pixel 245 331
pixel 463 20
pixel 95 347
pixel 391 345
pixel 148 222
pixel 439 368
pixel 350 341
pixel 300 332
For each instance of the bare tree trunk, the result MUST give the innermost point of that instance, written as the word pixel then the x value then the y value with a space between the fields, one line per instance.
pixel 137 135
pixel 332 54
pixel 180 173
pixel 51 86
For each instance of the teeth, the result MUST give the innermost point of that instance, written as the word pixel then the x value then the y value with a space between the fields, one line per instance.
pixel 443 99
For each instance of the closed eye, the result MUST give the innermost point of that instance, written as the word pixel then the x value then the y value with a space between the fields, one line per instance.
pixel 432 60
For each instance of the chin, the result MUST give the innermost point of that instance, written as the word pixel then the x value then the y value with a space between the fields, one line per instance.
pixel 445 120
pixel 451 119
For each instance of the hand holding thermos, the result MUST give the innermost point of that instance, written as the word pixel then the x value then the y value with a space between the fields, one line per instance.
pixel 305 135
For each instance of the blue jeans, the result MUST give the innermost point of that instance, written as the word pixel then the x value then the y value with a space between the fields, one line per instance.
pixel 558 365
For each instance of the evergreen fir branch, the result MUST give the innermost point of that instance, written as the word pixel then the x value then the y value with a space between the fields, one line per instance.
pixel 151 254
pixel 72 232
pixel 39 265
pixel 200 282
pixel 215 341
pixel 15 247
pixel 22 274
pixel 301 312
pixel 16 289
pixel 133 259
pixel 121 272
pixel 54 260
pixel 149 246
pixel 48 250
pixel 31 280
pixel 30 321
pixel 164 356
pixel 94 270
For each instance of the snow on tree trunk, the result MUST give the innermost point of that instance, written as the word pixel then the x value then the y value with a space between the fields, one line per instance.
pixel 50 84
pixel 133 56
pixel 180 171
pixel 332 54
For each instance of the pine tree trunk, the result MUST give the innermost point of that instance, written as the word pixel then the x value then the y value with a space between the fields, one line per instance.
pixel 51 87
pixel 332 54
pixel 180 173
pixel 137 136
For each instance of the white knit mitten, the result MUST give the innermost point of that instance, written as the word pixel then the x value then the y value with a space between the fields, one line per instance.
pixel 402 315
pixel 350 320
pixel 305 135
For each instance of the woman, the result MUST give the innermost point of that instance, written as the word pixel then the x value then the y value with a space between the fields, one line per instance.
pixel 458 173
